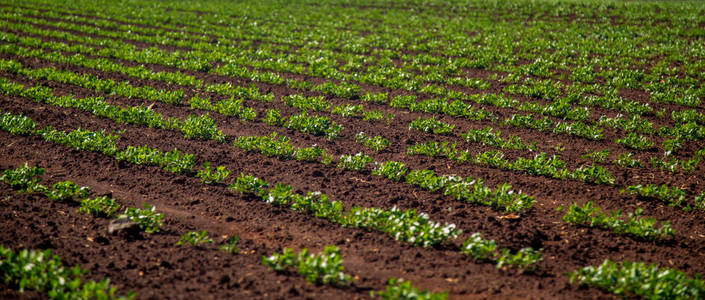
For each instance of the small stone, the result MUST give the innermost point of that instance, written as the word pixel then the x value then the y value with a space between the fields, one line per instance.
pixel 122 224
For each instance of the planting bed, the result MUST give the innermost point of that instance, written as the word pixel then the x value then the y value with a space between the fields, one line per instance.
pixel 568 134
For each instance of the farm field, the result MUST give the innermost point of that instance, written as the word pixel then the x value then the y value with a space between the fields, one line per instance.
pixel 352 149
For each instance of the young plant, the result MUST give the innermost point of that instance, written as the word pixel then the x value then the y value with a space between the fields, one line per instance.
pixel 357 162
pixel 635 141
pixel 307 103
pixel 212 176
pixel 398 289
pixel 627 160
pixel 347 110
pixel 431 125
pixel 325 268
pixel 99 207
pixel 392 169
pixel 372 115
pixel 598 156
pixel 248 184
pixel 24 178
pixel 315 125
pixel 525 259
pixel 195 238
pixel 408 226
pixel 673 196
pixel 274 118
pixel 44 272
pixel 593 174
pixel 629 279
pixel 147 218
pixel 479 248
pixel 17 125
pixel 68 191
pixel 377 143
pixel 201 127
pixel 591 216
pixel 231 245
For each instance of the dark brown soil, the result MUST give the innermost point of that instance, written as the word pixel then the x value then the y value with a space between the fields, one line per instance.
pixel 155 268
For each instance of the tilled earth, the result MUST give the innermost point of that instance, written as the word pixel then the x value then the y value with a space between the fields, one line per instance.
pixel 154 267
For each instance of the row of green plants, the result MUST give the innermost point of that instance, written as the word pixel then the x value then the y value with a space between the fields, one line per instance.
pixel 327 268
pixel 27 179
pixel 638 279
pixel 198 127
pixel 469 190
pixel 540 165
pixel 45 273
pixel 590 215
pixel 486 250
pixel 408 226
pixel 324 268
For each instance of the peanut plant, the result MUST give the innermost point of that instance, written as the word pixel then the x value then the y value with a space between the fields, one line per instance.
pixel 633 223
pixel 324 268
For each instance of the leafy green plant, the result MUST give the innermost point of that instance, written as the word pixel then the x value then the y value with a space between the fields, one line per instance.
pixel 639 279
pixel 325 268
pixel 312 153
pixel 431 125
pixel 635 141
pixel 591 216
pixel 194 238
pixel 17 125
pixel 307 103
pixel 24 178
pixel 68 191
pixel 44 272
pixel 580 129
pixel 234 107
pixel 379 98
pixel 491 137
pixel 147 218
pixel 231 245
pixel 593 174
pixel 479 248
pixel 280 194
pixel 357 162
pixel 201 127
pixel 699 201
pixel 347 110
pixel 96 141
pixel 673 196
pixel 99 207
pixel 372 115
pixel 248 184
pixel 211 176
pixel 398 289
pixel 627 160
pixel 598 156
pixel 391 169
pixel 173 161
pixel 377 143
pixel 274 118
pixel 524 259
pixel 319 126
pixel 408 226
